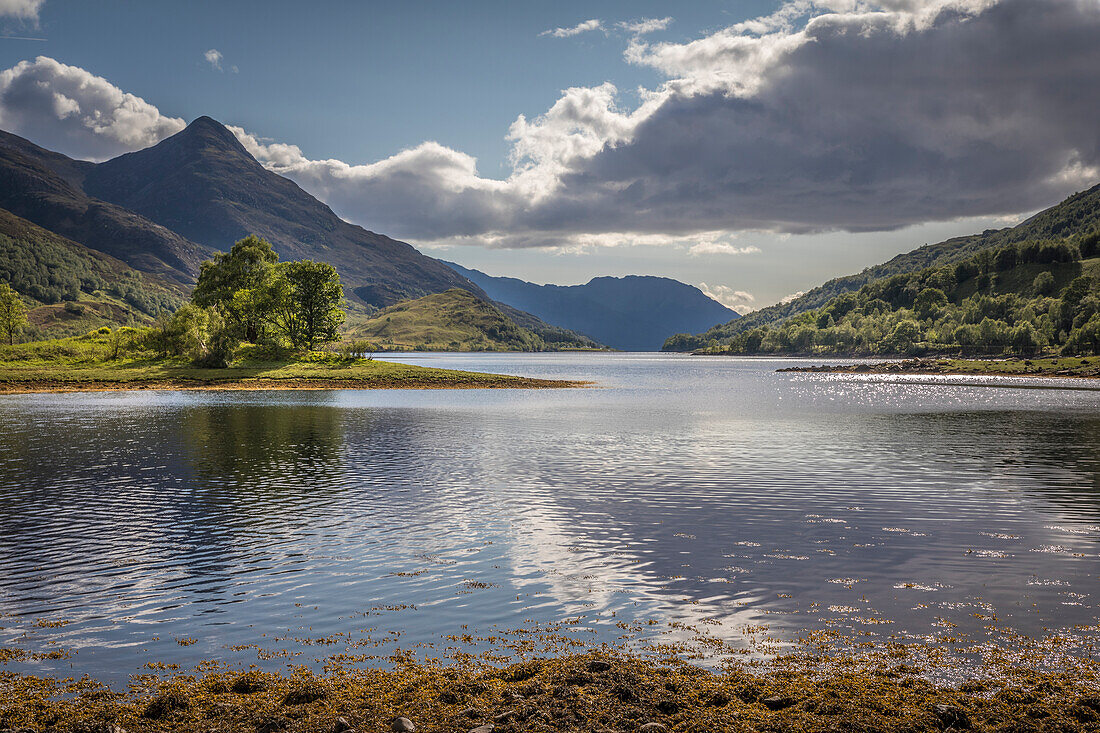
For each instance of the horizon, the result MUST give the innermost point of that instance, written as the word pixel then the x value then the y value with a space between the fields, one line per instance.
pixel 531 180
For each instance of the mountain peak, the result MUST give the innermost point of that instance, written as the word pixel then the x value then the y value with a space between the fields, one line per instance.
pixel 205 133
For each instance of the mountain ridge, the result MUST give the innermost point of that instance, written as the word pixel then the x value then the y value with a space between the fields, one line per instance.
pixel 630 313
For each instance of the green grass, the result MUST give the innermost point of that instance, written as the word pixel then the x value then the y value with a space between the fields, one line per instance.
pixel 455 320
pixel 86 363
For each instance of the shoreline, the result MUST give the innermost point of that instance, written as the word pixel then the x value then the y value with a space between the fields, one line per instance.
pixel 1085 368
pixel 493 381
pixel 604 689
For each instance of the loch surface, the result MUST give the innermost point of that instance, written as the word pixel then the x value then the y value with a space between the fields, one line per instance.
pixel 694 490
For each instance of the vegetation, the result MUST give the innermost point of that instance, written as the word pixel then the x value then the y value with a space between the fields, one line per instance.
pixel 1076 215
pixel 1029 298
pixel 132 358
pixel 600 689
pixel 69 289
pixel 455 320
pixel 13 313
pixel 246 294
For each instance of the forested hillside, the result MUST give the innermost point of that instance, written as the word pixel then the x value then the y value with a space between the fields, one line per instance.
pixel 1078 214
pixel 70 288
pixel 1027 298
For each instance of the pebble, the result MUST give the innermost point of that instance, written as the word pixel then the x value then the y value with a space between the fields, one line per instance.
pixel 402 725
pixel 341 725
pixel 487 728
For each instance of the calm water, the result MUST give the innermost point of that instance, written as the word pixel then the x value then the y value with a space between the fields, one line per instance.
pixel 696 490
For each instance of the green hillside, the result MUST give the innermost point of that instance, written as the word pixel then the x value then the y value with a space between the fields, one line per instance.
pixel 1028 298
pixel 455 320
pixel 71 289
pixel 1078 214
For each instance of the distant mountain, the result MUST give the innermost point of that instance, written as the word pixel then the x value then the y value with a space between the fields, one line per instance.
pixel 455 320
pixel 74 289
pixel 1078 214
pixel 45 188
pixel 633 313
pixel 202 183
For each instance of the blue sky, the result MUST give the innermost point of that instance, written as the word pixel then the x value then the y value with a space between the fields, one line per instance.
pixel 773 144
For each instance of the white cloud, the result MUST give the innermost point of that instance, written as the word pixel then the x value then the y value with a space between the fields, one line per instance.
pixel 68 109
pixel 736 300
pixel 644 26
pixel 22 9
pixel 793 296
pixel 583 27
pixel 721 248
pixel 214 58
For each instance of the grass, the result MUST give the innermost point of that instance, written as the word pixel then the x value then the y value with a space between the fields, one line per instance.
pixel 86 363
pixel 455 320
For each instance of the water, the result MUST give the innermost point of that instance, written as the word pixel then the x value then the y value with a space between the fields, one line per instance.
pixel 694 490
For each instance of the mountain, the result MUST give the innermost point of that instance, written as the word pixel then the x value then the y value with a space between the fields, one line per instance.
pixel 203 184
pixel 633 313
pixel 1079 213
pixel 455 320
pixel 44 187
pixel 72 288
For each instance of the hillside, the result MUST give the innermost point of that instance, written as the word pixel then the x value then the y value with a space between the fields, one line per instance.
pixel 1077 214
pixel 44 188
pixel 632 313
pixel 73 289
pixel 204 185
pixel 455 320
pixel 1029 298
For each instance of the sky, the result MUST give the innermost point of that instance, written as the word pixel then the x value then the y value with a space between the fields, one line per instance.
pixel 754 148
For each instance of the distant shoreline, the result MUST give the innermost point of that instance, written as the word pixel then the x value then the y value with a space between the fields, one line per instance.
pixel 1058 368
pixel 261 385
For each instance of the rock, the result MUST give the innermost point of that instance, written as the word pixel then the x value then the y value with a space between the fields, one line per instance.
pixel 341 725
pixel 599 665
pixel 778 702
pixel 487 728
pixel 653 727
pixel 164 704
pixel 668 707
pixel 249 683
pixel 273 725
pixel 505 716
pixel 402 725
pixel 718 699
pixel 305 694
pixel 951 716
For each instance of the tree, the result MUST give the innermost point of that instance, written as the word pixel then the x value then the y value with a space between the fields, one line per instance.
pixel 1043 283
pixel 928 301
pixel 13 313
pixel 305 299
pixel 248 266
pixel 905 334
